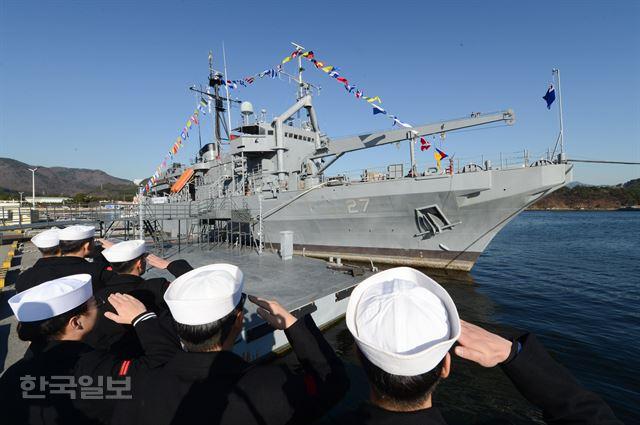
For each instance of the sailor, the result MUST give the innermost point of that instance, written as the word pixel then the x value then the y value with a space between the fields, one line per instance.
pixel 207 380
pixel 76 245
pixel 404 325
pixel 48 242
pixel 67 382
pixel 129 261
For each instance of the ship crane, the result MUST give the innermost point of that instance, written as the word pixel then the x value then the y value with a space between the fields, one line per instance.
pixel 339 147
pixel 370 140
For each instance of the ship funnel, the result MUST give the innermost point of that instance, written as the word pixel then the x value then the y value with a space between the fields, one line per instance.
pixel 208 152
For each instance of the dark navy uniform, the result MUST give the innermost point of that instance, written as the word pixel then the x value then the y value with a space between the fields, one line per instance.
pixel 539 378
pixel 72 360
pixel 149 291
pixel 222 388
pixel 49 268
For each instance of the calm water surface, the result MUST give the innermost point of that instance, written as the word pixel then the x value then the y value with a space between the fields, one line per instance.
pixel 572 278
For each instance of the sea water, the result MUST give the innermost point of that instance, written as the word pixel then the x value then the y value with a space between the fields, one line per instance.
pixel 573 279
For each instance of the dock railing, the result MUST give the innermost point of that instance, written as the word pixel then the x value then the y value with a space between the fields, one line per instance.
pixel 24 217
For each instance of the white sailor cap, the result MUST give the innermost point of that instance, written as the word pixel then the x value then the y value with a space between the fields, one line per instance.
pixel 51 298
pixel 205 294
pixel 47 239
pixel 77 233
pixel 402 321
pixel 124 251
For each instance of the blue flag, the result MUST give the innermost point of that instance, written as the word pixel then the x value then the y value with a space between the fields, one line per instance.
pixel 378 109
pixel 550 96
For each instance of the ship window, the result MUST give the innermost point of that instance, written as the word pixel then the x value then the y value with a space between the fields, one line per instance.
pixel 252 129
pixel 270 132
pixel 295 136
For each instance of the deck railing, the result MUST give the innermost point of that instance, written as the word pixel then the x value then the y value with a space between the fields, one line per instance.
pixel 449 165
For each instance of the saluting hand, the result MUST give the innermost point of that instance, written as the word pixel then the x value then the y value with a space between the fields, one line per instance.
pixel 105 243
pixel 127 308
pixel 273 313
pixel 157 262
pixel 481 346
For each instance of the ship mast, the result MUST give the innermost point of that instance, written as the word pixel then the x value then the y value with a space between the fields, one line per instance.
pixel 214 82
pixel 226 87
pixel 216 79
pixel 301 85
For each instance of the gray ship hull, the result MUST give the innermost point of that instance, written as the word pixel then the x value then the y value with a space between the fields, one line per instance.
pixel 380 221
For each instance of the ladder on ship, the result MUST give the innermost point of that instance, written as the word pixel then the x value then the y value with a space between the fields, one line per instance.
pixel 234 229
pixel 153 229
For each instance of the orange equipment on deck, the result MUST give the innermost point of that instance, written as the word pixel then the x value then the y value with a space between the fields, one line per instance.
pixel 184 179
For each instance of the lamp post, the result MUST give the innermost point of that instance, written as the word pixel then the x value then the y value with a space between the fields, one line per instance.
pixel 138 182
pixel 33 186
pixel 20 209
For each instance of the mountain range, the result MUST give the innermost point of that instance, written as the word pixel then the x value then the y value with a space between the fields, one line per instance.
pixel 59 181
pixel 580 196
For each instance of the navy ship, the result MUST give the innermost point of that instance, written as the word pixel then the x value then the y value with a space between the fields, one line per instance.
pixel 269 176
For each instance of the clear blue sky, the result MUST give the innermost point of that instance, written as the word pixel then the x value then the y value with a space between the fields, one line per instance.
pixel 103 84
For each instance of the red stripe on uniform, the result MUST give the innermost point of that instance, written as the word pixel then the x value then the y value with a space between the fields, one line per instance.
pixel 124 368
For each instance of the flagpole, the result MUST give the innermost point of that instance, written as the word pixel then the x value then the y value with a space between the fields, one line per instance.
pixel 199 132
pixel 214 119
pixel 556 72
pixel 412 156
pixel 226 76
